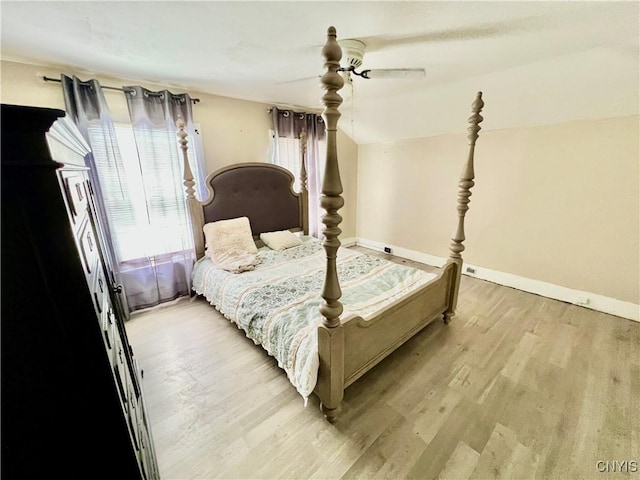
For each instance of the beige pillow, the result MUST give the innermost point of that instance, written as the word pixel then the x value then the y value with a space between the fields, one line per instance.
pixel 224 236
pixel 280 240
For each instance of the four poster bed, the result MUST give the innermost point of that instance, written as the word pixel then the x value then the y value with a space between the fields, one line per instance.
pixel 327 314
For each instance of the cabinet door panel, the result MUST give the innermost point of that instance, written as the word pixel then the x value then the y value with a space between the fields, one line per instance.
pixel 88 248
pixel 75 190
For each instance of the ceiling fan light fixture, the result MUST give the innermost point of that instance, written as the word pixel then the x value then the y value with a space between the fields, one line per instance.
pixel 352 52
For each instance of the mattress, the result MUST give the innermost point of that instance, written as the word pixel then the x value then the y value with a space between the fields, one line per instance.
pixel 277 304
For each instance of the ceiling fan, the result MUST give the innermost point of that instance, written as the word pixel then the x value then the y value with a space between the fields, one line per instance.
pixel 353 49
pixel 352 59
pixel 353 55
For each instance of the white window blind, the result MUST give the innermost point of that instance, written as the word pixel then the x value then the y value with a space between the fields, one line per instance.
pixel 143 193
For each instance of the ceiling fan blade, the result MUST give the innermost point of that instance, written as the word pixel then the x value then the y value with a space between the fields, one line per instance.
pixel 299 80
pixel 475 32
pixel 378 42
pixel 408 73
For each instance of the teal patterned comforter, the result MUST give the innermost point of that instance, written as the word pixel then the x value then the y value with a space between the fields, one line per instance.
pixel 277 304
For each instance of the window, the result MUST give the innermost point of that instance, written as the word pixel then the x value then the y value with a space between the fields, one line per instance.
pixel 144 193
pixel 286 153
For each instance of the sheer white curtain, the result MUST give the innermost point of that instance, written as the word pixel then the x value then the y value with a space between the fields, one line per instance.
pixel 285 151
pixel 153 229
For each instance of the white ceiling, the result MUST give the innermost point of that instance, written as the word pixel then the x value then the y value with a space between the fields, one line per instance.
pixel 536 62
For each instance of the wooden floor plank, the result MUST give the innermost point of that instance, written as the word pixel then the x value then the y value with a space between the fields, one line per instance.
pixel 505 457
pixel 461 464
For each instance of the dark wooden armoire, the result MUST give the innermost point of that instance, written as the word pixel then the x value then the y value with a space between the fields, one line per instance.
pixel 72 399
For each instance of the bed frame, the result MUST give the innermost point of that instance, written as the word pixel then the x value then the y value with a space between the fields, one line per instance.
pixel 263 192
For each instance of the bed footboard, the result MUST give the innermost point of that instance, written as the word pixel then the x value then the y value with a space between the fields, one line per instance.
pixel 368 342
pixel 357 345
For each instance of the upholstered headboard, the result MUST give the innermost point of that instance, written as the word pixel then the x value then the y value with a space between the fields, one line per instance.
pixel 263 192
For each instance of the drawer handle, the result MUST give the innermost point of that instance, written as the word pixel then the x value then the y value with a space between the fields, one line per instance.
pixel 100 285
pixel 90 241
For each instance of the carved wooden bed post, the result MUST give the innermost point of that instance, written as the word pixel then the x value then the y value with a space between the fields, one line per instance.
pixel 330 387
pixel 194 210
pixel 304 190
pixel 466 183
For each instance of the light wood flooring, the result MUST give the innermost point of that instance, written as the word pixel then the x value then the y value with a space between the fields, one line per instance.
pixel 517 386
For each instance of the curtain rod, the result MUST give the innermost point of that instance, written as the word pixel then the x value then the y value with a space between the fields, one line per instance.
pixel 294 108
pixel 49 79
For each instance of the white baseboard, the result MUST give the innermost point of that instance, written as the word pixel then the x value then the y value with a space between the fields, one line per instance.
pixel 589 300
pixel 348 242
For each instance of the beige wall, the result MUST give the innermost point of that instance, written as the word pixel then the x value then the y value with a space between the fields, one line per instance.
pixel 232 130
pixel 555 203
pixel 347 158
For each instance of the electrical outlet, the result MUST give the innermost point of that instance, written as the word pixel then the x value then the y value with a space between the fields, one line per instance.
pixel 471 270
pixel 387 249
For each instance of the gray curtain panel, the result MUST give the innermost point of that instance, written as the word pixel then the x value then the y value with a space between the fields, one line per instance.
pixel 290 124
pixel 86 106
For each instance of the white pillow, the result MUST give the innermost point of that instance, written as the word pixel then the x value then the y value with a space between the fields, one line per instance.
pixel 280 240
pixel 225 235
